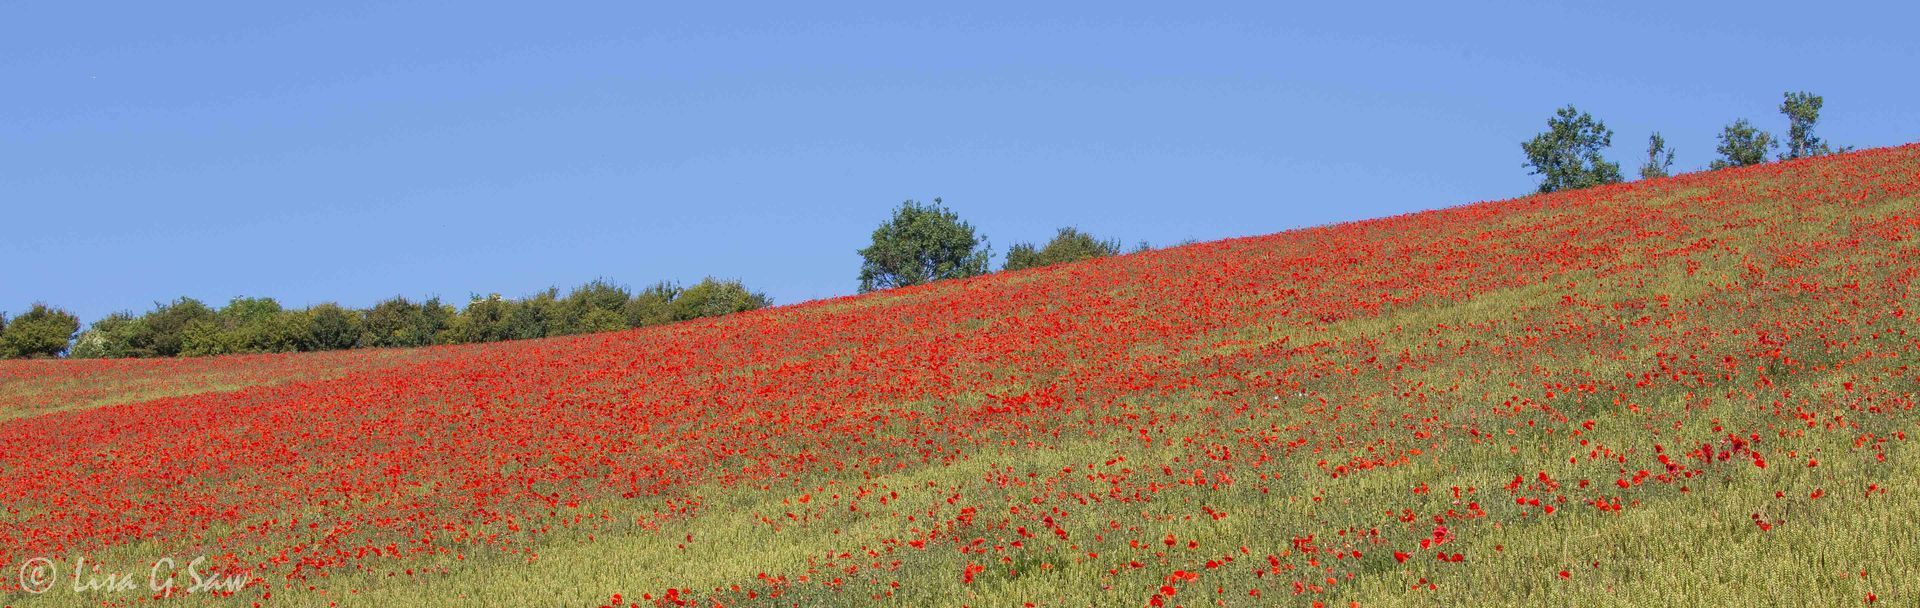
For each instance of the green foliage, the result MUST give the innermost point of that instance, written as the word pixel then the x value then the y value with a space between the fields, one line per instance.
pixel 712 298
pixel 204 338
pixel 185 327
pixel 42 332
pixel 921 244
pixel 261 325
pixel 652 306
pixel 1659 161
pixel 599 320
pixel 400 322
pixel 483 320
pixel 1068 245
pixel 1803 111
pixel 113 337
pixel 1567 155
pixel 530 318
pixel 166 326
pixel 332 327
pixel 1742 145
pixel 588 308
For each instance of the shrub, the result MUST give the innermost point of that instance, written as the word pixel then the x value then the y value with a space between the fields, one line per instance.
pixel 166 327
pixel 652 306
pixel 712 298
pixel 41 332
pixel 332 327
pixel 400 322
pixel 112 337
pixel 1068 245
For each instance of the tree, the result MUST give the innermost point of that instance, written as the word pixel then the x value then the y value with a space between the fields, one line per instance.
pixel 533 317
pixel 1068 245
pixel 712 298
pixel 112 337
pixel 261 325
pixel 922 244
pixel 1659 158
pixel 652 306
pixel 333 327
pixel 166 327
pixel 41 332
pixel 1742 145
pixel 593 307
pixel 1803 110
pixel 400 322
pixel 1567 155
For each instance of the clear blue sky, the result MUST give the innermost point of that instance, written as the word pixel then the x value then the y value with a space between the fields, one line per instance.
pixel 351 152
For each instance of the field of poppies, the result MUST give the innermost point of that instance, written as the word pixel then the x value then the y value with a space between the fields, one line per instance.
pixel 1688 391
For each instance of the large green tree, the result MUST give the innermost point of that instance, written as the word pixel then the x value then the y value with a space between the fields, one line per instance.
pixel 1068 245
pixel 41 332
pixel 922 243
pixel 1803 111
pixel 1743 145
pixel 1567 156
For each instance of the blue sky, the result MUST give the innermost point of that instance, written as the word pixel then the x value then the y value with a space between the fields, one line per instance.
pixel 350 152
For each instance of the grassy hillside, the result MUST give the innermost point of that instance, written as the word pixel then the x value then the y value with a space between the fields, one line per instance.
pixel 1690 391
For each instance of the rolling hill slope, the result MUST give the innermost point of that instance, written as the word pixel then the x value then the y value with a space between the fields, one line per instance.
pixel 1689 391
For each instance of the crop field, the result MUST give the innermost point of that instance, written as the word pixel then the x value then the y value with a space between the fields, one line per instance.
pixel 1687 391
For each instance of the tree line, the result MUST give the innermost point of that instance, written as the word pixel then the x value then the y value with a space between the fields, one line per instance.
pixel 1568 154
pixel 920 243
pixel 187 327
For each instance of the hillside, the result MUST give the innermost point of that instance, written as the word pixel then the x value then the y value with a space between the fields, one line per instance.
pixel 1687 391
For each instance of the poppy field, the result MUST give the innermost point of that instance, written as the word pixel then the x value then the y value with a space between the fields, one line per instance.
pixel 1688 391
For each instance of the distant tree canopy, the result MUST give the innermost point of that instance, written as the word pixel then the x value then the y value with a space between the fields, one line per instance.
pixel 1567 156
pixel 1803 111
pixel 1742 145
pixel 713 297
pixel 186 327
pixel 1659 161
pixel 41 332
pixel 922 244
pixel 1068 245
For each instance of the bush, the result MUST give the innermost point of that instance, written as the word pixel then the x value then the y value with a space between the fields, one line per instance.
pixel 712 298
pixel 1068 245
pixel 261 325
pixel 483 320
pixel 533 317
pixel 332 327
pixel 400 322
pixel 166 327
pixel 576 313
pixel 652 306
pixel 112 337
pixel 42 332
